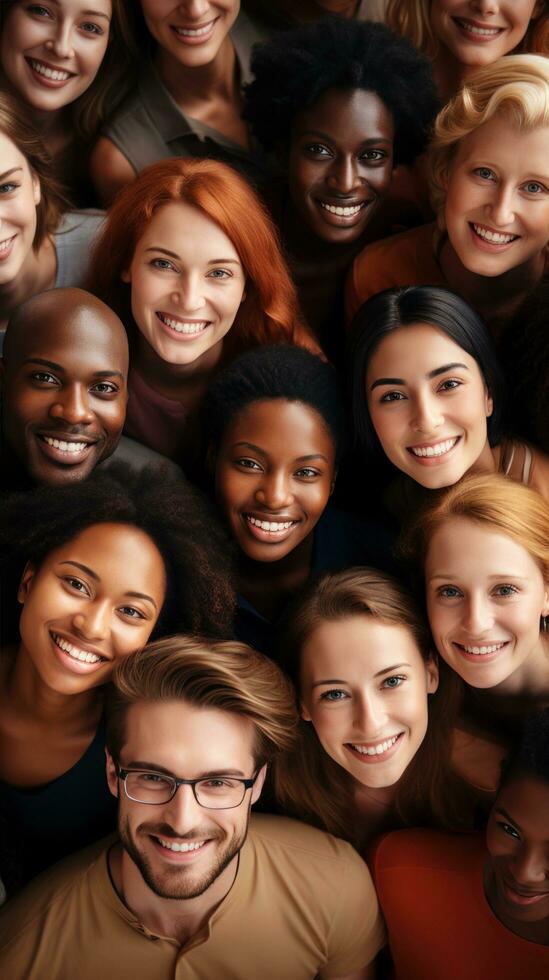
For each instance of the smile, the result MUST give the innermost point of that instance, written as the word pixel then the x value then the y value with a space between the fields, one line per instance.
pixel 5 246
pixel 173 846
pixel 378 749
pixel 478 30
pixel 189 328
pixel 521 897
pixel 195 31
pixel 273 527
pixel 439 449
pixel 47 72
pixel 66 447
pixel 495 237
pixel 481 651
pixel 348 211
pixel 83 656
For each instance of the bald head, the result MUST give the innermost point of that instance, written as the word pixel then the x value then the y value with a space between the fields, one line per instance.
pixel 65 384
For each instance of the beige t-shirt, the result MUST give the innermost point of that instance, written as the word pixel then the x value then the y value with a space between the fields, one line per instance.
pixel 302 903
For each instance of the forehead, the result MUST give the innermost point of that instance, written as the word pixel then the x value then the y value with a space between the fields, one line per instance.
pixel 186 230
pixel 81 338
pixel 477 551
pixel 417 349
pixel 103 546
pixel 188 740
pixel 347 115
pixel 282 428
pixel 356 648
pixel 502 142
pixel 10 156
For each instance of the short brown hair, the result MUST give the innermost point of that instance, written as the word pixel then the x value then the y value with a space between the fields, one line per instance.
pixel 229 676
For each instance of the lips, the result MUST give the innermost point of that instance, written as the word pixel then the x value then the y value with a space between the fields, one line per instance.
pixel 64 448
pixel 270 527
pixel 482 653
pixel 521 896
pixel 182 328
pixel 77 656
pixel 342 212
pixel 194 34
pixel 6 247
pixel 374 752
pixel 51 76
pixel 476 31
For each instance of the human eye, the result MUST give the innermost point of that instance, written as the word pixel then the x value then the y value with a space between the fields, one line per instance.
pixel 150 778
pixel 132 612
pixel 450 384
pixel 508 829
pixel 317 150
pixel 163 265
pixel 105 388
pixel 485 173
pixel 38 10
pixel 218 782
pixel 394 681
pixel 392 396
pixel 220 274
pixel 307 473
pixel 534 187
pixel 247 464
pixel 88 27
pixel 505 590
pixel 449 592
pixel 76 585
pixel 334 695
pixel 373 156
pixel 44 378
pixel 9 187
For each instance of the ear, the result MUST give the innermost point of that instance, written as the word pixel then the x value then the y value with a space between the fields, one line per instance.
pixel 431 668
pixel 488 404
pixel 259 783
pixel 304 712
pixel 126 276
pixel 36 190
pixel 545 607
pixel 25 584
pixel 112 778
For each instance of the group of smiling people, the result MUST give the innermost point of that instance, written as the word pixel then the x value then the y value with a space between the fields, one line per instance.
pixel 274 500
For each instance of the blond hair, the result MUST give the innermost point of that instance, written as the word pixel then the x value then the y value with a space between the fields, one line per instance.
pixel 494 502
pixel 228 676
pixel 412 19
pixel 307 782
pixel 516 86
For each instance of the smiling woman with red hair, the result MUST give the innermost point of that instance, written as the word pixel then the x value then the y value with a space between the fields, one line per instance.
pixel 190 261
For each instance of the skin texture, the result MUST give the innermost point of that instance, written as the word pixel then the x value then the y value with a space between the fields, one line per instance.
pixel 60 36
pixel 341 155
pixel 65 374
pixel 363 682
pixel 164 17
pixel 102 593
pixel 485 590
pixel 187 270
pixel 19 196
pixel 187 742
pixel 454 21
pixel 499 181
pixel 276 463
pixel 517 868
pixel 410 409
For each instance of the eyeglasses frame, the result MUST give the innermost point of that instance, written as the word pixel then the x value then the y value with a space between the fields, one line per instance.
pixel 124 773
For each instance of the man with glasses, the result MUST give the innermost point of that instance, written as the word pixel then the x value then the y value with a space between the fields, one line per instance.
pixel 192 888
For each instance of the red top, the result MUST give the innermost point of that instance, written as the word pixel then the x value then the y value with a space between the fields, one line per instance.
pixel 440 925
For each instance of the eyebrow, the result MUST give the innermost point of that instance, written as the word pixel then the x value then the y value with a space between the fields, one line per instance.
pixel 174 255
pixel 497 576
pixel 88 13
pixel 326 136
pixel 110 373
pixel 507 816
pixel 95 577
pixel 263 452
pixel 154 767
pixel 380 673
pixel 430 374
pixel 8 172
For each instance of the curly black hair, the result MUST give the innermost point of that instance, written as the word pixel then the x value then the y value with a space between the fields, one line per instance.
pixel 294 68
pixel 275 371
pixel 200 595
pixel 525 354
pixel 531 755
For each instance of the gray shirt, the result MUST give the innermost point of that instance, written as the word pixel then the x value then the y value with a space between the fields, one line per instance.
pixel 73 241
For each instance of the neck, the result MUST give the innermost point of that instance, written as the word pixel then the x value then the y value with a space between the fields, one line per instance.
pixel 31 698
pixel 181 918
pixel 162 375
pixel 194 85
pixel 37 273
pixel 273 580
pixel 490 293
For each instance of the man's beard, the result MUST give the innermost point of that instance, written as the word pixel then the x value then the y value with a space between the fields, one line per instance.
pixel 179 882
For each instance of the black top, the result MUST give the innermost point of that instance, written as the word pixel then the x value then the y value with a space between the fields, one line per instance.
pixel 43 824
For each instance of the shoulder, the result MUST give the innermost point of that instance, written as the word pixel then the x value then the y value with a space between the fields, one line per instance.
pixel 412 852
pixel 304 847
pixel 110 169
pixel 139 457
pixel 79 226
pixel 394 261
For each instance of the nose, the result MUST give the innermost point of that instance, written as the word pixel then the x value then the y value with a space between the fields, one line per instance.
pixel 194 8
pixel 72 405
pixel 485 7
pixel 369 715
pixel 343 174
pixel 183 812
pixel 427 415
pixel 529 868
pixel 502 206
pixel 93 622
pixel 274 490
pixel 60 43
pixel 190 293
pixel 478 617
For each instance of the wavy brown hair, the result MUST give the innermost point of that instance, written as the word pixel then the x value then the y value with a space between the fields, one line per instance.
pixel 308 783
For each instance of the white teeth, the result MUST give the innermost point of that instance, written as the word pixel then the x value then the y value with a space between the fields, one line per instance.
pixel 4 246
pixel 343 212
pixel 180 327
pixel 494 236
pixel 270 525
pixel 486 649
pixel 439 450
pixel 194 32
pixel 172 846
pixel 56 76
pixel 480 31
pixel 375 749
pixel 65 447
pixel 83 655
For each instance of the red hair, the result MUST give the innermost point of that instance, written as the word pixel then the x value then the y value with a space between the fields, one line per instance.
pixel 270 312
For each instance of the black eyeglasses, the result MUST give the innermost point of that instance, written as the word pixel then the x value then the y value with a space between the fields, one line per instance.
pixel 212 792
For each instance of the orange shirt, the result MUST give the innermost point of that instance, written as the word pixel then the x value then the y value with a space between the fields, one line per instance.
pixel 406 259
pixel 440 925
